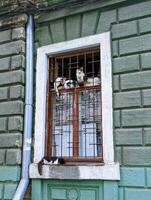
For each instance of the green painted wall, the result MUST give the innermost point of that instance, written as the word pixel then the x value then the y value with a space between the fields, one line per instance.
pixel 130 28
pixel 74 190
pixel 12 50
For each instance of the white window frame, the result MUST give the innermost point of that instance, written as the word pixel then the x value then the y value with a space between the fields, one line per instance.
pixel 109 170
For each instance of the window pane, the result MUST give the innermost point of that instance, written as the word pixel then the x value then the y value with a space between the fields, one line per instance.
pixel 62 134
pixel 90 123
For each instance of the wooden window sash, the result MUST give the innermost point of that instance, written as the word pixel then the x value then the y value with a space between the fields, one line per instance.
pixel 75 125
pixel 53 73
pixel 48 150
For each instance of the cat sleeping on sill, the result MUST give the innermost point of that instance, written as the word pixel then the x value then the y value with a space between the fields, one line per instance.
pixel 49 161
pixel 92 81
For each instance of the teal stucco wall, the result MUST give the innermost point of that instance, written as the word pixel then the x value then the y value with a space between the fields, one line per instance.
pixel 12 49
pixel 130 27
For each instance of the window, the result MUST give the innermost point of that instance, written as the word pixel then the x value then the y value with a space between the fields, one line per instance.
pixel 74 110
pixel 95 147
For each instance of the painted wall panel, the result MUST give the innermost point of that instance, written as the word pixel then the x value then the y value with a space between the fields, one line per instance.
pixel 69 190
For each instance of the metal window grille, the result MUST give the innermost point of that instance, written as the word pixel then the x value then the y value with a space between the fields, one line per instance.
pixel 74 113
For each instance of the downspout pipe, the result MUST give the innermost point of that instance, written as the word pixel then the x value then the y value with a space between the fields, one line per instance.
pixel 26 159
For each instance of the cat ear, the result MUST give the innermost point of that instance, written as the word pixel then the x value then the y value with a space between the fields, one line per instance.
pixel 81 69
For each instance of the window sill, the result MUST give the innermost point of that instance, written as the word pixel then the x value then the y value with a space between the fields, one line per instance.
pixel 81 172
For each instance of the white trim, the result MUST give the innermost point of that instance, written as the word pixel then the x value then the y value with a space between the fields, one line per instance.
pixel 102 40
pixel 40 115
pixel 107 110
pixel 88 172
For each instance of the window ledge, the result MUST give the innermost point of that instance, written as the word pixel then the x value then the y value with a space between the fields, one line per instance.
pixel 85 172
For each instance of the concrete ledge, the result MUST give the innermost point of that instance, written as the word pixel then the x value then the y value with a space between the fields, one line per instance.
pixel 95 172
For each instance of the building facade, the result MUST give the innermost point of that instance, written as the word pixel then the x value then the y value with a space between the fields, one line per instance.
pixel 65 26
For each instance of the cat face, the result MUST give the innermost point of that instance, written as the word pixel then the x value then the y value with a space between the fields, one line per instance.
pixel 79 71
pixel 80 74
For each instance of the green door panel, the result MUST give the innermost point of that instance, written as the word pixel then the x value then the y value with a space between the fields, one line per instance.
pixel 73 193
pixel 57 193
pixel 88 194
pixel 74 190
pixel 67 190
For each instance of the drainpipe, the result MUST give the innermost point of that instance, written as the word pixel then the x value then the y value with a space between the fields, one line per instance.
pixel 21 189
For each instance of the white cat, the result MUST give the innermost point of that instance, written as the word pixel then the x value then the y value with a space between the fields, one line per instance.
pixel 92 81
pixel 69 84
pixel 82 80
pixel 59 82
pixel 80 75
